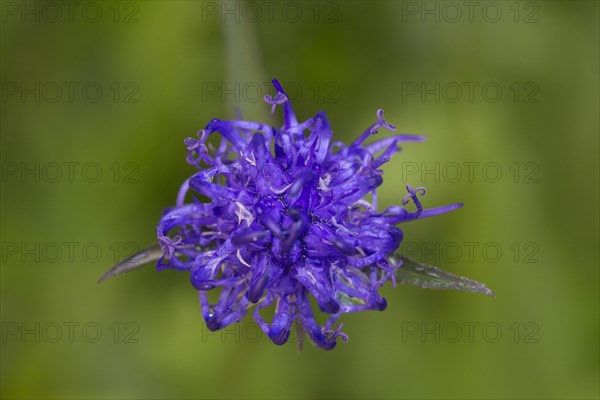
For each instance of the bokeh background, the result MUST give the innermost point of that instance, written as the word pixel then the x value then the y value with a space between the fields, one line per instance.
pixel 98 97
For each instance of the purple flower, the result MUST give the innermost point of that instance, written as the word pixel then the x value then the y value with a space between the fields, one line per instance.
pixel 283 215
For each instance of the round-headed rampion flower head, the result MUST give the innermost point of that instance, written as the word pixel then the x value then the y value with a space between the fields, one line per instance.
pixel 285 215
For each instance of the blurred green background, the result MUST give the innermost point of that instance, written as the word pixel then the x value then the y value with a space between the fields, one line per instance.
pixel 86 174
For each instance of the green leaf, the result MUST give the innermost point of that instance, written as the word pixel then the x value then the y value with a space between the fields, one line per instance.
pixel 425 276
pixel 136 261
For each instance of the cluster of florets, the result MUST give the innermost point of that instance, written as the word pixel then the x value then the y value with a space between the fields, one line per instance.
pixel 283 215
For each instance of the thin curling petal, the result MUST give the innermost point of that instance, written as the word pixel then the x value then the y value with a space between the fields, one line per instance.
pixel 280 329
pixel 228 131
pixel 312 278
pixel 381 144
pixel 440 210
pixel 280 217
pixel 387 155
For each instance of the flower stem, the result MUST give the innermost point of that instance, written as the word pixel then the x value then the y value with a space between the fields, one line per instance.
pixel 244 71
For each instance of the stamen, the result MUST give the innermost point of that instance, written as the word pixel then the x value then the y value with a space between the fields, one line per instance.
pixel 182 192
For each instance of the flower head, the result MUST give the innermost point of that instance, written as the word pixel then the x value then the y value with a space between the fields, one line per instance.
pixel 287 214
